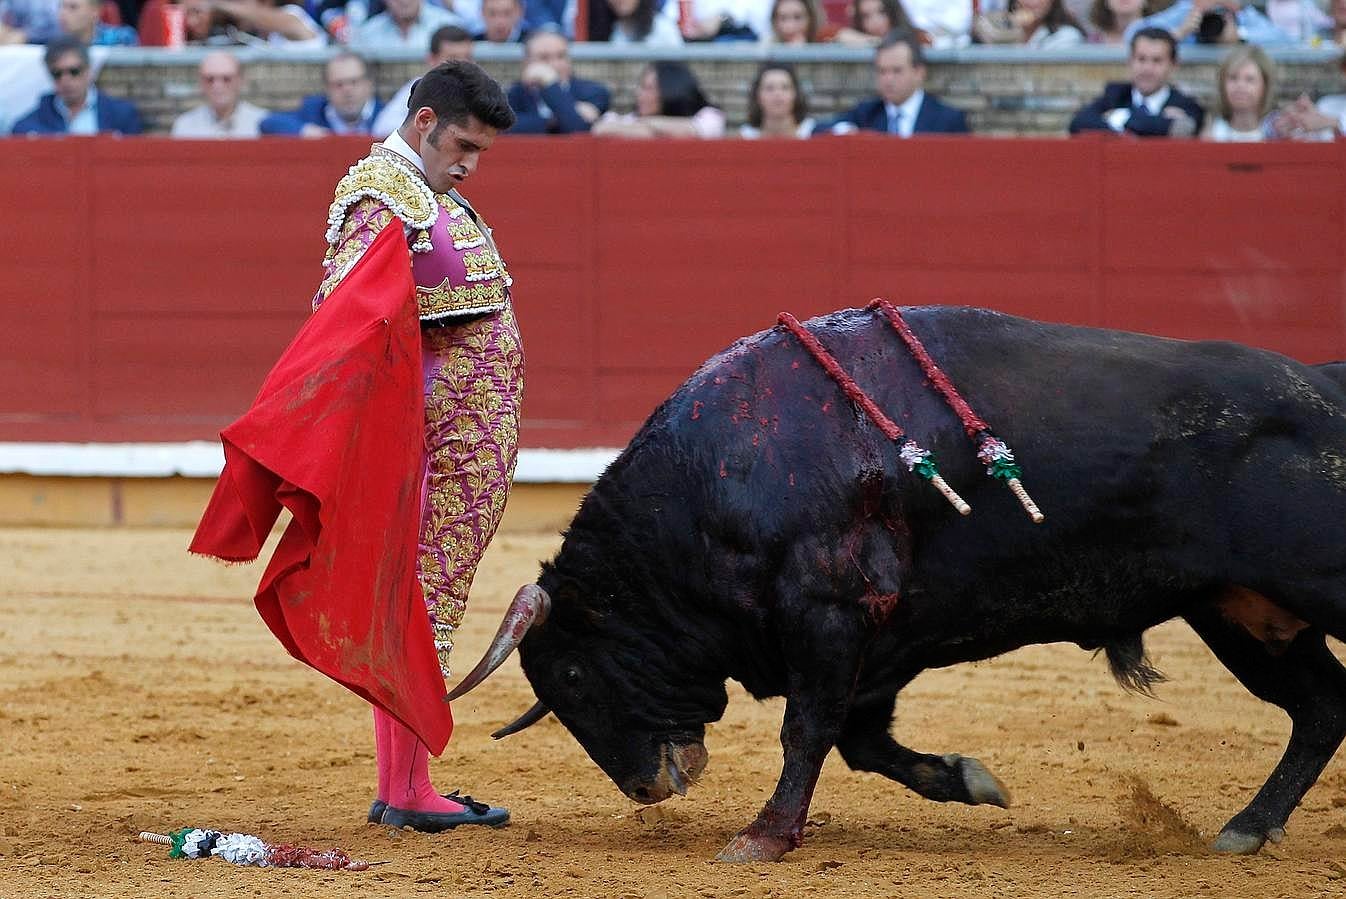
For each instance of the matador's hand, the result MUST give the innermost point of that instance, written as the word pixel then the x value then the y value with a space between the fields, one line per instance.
pixel 443 646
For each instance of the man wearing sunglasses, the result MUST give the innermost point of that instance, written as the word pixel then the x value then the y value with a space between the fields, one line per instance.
pixel 76 106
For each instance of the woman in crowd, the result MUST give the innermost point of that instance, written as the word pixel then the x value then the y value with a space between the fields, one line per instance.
pixel 1111 18
pixel 669 103
pixel 871 20
pixel 1046 24
pixel 776 105
pixel 630 22
pixel 794 22
pixel 1245 92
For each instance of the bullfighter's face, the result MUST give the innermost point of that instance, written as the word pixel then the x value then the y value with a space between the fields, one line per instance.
pixel 625 687
pixel 449 150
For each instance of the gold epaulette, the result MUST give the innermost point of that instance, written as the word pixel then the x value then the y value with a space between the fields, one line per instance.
pixel 400 188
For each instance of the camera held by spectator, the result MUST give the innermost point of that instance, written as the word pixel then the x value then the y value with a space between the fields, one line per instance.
pixel 1217 26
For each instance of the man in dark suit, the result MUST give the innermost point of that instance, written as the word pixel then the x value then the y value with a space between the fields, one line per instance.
pixel 546 99
pixel 76 106
pixel 347 107
pixel 902 108
pixel 1147 106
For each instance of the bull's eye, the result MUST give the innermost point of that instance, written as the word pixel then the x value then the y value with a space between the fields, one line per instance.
pixel 571 676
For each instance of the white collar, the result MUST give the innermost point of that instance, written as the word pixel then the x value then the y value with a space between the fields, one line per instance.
pixel 1153 102
pixel 908 107
pixel 399 146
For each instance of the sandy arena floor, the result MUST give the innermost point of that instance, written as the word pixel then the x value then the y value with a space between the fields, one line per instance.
pixel 139 690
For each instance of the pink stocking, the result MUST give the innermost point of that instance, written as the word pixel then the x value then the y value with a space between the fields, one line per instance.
pixel 381 750
pixel 404 769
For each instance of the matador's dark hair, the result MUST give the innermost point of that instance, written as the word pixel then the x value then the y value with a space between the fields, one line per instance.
pixel 457 89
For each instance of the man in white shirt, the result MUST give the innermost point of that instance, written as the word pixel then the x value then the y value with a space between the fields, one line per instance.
pixel 403 25
pixel 225 114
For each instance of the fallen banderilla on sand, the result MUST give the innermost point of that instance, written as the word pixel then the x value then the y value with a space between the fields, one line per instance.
pixel 245 849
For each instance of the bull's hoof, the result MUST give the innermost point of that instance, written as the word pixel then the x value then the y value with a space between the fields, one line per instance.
pixel 1236 842
pixel 983 787
pixel 746 848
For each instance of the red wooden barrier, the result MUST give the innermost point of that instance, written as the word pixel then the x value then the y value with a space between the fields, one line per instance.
pixel 147 285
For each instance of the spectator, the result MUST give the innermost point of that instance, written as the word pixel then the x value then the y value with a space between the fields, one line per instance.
pixel 559 14
pixel 794 22
pixel 504 21
pixel 76 107
pixel 1213 22
pixel 224 114
pixel 669 103
pixel 1303 120
pixel 1337 31
pixel 728 20
pixel 872 21
pixel 1244 84
pixel 1045 24
pixel 777 106
pixel 946 23
pixel 902 108
pixel 449 42
pixel 218 22
pixel 1301 20
pixel 403 25
pixel 348 107
pixel 28 21
pixel 547 99
pixel 627 22
pixel 79 19
pixel 1111 18
pixel 1148 106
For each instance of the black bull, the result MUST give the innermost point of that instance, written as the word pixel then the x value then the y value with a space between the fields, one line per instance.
pixel 759 528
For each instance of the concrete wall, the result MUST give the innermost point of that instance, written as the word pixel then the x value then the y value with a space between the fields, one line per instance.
pixel 1004 90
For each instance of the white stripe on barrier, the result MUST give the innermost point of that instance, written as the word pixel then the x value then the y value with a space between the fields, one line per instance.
pixel 202 459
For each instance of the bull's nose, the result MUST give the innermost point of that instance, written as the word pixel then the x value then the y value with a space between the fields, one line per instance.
pixel 648 794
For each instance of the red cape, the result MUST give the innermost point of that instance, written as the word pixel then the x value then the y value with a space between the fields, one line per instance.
pixel 336 436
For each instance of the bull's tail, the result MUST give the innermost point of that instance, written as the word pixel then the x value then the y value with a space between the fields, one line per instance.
pixel 1131 666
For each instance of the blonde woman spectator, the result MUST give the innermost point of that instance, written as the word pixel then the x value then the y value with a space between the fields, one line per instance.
pixel 628 22
pixel 1245 91
pixel 794 22
pixel 1111 18
pixel 873 20
pixel 1045 24
pixel 776 105
pixel 669 103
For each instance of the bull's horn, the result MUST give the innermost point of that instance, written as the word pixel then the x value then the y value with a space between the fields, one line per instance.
pixel 527 719
pixel 530 606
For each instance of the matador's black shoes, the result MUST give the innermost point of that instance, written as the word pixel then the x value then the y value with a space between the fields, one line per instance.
pixel 436 822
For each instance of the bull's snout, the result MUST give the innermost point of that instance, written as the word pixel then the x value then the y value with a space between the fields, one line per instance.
pixel 679 768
